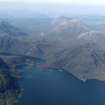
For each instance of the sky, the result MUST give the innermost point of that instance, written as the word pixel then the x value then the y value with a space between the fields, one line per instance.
pixel 52 7
pixel 70 2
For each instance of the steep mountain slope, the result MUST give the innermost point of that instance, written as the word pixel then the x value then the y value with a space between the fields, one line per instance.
pixel 85 58
pixel 18 45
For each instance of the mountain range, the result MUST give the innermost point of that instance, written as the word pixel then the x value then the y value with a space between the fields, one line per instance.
pixel 67 43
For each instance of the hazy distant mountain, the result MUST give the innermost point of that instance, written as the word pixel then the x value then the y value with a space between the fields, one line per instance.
pixel 67 28
pixel 33 25
pixel 13 40
pixel 7 29
pixel 95 22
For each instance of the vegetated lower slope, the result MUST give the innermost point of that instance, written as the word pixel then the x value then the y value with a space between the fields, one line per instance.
pixel 9 88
